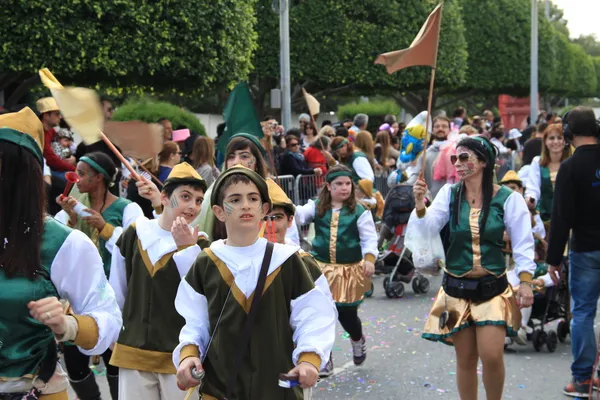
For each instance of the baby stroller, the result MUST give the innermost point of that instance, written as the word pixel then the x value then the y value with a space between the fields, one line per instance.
pixel 395 261
pixel 547 307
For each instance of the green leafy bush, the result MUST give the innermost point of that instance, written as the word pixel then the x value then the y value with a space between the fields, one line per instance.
pixel 376 110
pixel 151 111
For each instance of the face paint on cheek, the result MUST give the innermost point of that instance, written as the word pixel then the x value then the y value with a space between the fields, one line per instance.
pixel 251 162
pixel 173 202
pixel 228 208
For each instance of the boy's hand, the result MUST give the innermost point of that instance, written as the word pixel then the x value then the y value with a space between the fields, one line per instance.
pixel 184 373
pixel 307 375
pixel 183 234
pixel 148 190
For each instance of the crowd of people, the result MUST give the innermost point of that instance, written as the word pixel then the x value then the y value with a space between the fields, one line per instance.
pixel 195 265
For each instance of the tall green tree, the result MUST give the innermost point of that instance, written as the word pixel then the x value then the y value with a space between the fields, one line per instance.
pixel 200 45
pixel 333 45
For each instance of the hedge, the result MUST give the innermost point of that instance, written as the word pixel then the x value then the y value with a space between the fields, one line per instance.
pixel 376 110
pixel 151 111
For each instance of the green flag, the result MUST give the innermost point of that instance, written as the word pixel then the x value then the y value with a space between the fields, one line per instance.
pixel 239 115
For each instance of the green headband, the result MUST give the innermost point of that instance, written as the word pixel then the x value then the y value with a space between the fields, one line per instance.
pixel 96 167
pixel 339 146
pixel 332 175
pixel 487 146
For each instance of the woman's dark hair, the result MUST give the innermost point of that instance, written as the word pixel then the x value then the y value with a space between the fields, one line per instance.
pixel 485 152
pixel 294 131
pixel 310 125
pixel 324 201
pixel 241 143
pixel 512 144
pixel 22 211
pixel 290 138
pixel 341 131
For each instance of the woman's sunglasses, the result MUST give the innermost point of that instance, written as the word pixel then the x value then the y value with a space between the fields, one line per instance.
pixel 462 157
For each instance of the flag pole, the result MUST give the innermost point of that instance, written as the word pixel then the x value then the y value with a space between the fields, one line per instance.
pixel 429 101
pixel 117 153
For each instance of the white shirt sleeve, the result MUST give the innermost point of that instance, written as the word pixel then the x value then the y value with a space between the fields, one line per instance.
pixel 533 186
pixel 363 168
pixel 292 235
pixel 62 217
pixel 539 227
pixel 438 214
pixel 118 278
pixel 548 282
pixel 184 259
pixel 367 234
pixel 518 227
pixel 306 213
pixel 193 307
pixel 313 320
pixel 78 275
pixel 131 212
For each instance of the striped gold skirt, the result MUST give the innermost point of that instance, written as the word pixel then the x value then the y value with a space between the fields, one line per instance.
pixel 501 310
pixel 347 282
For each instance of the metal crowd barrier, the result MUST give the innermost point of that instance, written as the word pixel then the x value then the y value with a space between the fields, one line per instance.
pixel 305 187
pixel 308 187
pixel 288 184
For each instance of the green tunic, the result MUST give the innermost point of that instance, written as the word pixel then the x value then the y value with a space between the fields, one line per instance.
pixel 468 249
pixel 271 344
pixel 24 341
pixel 355 155
pixel 546 195
pixel 151 324
pixel 336 236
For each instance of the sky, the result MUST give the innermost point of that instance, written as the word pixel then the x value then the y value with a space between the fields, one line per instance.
pixel 582 16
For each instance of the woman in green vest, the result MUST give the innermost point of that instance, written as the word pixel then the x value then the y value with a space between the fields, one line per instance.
pixel 110 215
pixel 42 261
pixel 476 308
pixel 345 247
pixel 357 161
pixel 542 175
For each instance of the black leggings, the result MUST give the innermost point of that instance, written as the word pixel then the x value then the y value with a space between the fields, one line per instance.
pixel 78 364
pixel 348 317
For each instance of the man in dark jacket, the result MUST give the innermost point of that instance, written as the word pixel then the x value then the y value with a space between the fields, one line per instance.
pixel 576 200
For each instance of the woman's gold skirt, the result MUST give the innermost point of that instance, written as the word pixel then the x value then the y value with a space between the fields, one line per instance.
pixel 347 282
pixel 501 310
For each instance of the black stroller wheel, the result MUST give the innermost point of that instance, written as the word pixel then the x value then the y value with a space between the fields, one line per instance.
pixel 370 292
pixel 562 330
pixel 424 285
pixel 398 289
pixel 416 285
pixel 539 339
pixel 552 342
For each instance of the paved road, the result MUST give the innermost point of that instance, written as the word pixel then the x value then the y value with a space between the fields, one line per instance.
pixel 401 365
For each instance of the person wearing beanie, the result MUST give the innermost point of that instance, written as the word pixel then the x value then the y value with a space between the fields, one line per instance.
pixel 43 262
pixel 240 341
pixel 148 263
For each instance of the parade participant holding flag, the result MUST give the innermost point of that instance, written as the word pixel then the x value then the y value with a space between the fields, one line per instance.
pixel 148 262
pixel 41 261
pixel 107 217
pixel 476 307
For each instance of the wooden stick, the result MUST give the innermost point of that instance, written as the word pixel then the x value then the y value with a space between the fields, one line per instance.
pixel 429 118
pixel 120 156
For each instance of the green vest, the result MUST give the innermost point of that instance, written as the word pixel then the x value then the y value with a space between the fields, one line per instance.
pixel 151 324
pixel 24 341
pixel 355 155
pixel 546 195
pixel 336 236
pixel 271 342
pixel 464 243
